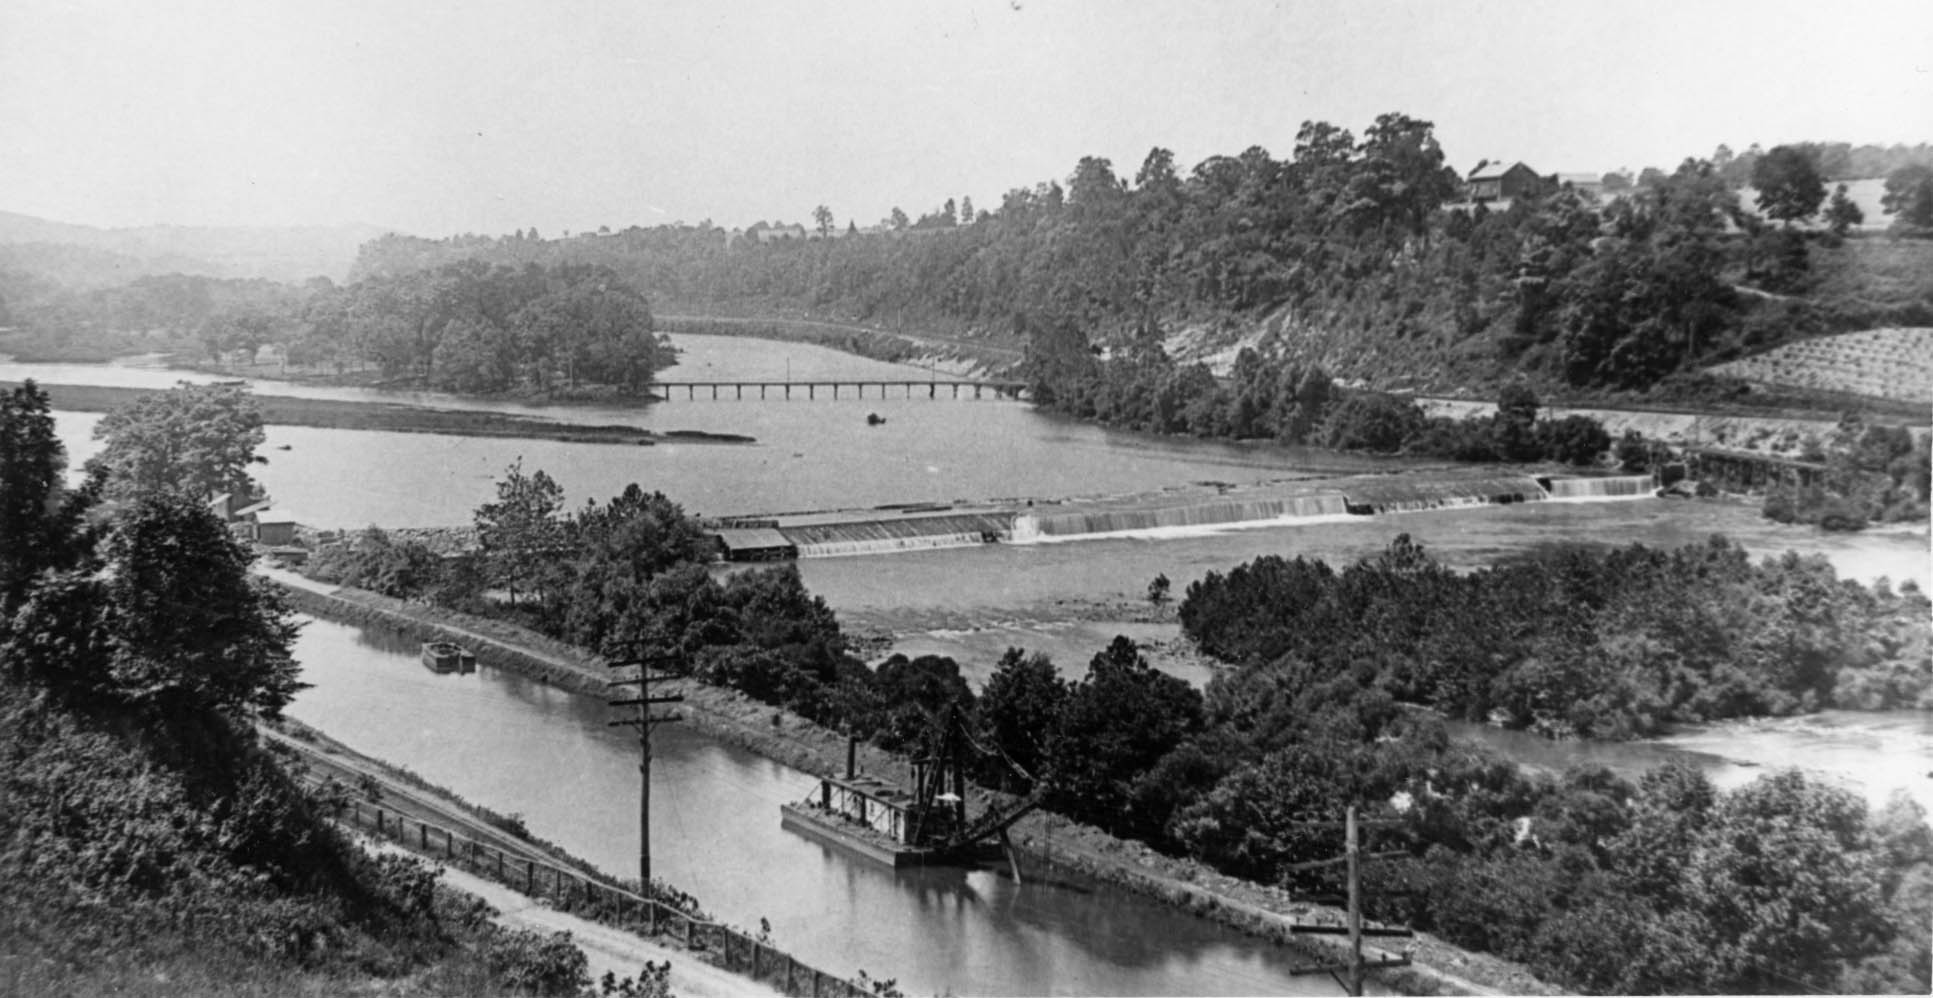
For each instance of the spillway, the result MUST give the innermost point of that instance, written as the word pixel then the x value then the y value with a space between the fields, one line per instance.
pixel 1610 487
pixel 888 533
pixel 889 545
pixel 1409 493
pixel 1194 509
pixel 1089 521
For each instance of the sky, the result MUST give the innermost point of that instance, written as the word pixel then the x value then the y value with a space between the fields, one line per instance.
pixel 484 116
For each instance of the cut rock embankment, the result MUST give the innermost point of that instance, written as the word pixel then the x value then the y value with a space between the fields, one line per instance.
pixel 1047 839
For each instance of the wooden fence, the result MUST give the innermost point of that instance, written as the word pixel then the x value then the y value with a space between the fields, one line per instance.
pixel 574 892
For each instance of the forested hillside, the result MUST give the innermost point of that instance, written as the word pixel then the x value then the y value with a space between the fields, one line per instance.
pixel 150 842
pixel 1355 254
pixel 462 327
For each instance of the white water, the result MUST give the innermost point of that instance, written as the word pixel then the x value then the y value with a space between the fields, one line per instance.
pixel 1122 521
pixel 1872 753
pixel 1601 489
pixel 889 545
pixel 1025 534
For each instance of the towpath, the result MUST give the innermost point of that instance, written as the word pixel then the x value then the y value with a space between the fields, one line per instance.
pixel 606 949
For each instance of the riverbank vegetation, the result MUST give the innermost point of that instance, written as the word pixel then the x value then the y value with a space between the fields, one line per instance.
pixel 464 327
pixel 1578 640
pixel 1592 881
pixel 149 842
pixel 1873 474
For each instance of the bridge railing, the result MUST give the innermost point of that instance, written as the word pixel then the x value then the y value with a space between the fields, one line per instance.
pixel 588 897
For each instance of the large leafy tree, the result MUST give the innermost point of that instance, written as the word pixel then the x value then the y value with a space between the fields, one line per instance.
pixel 1020 710
pixel 1909 198
pixel 175 626
pixel 1788 879
pixel 193 440
pixel 1401 177
pixel 40 520
pixel 520 534
pixel 1790 187
pixel 617 549
pixel 1118 722
pixel 189 622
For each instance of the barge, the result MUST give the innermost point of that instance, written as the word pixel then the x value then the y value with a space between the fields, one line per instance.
pixel 444 657
pixel 880 821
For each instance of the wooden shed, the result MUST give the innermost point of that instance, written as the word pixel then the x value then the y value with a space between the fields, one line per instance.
pixel 754 544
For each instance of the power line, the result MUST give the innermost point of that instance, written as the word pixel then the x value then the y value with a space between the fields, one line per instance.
pixel 644 722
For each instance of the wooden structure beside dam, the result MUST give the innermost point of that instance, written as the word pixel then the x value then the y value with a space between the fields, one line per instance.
pixel 945 525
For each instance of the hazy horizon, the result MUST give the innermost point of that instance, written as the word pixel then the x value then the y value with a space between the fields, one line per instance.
pixel 438 119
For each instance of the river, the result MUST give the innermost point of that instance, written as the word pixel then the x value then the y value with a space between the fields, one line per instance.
pixel 517 746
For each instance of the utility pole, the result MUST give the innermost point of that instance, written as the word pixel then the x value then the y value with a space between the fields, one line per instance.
pixel 644 722
pixel 1354 853
pixel 1349 974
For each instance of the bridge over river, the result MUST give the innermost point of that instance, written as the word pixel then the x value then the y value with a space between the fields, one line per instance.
pixel 853 389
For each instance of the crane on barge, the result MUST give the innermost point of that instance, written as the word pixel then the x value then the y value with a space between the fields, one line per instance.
pixel 929 824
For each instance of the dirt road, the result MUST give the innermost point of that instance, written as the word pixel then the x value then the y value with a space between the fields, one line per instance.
pixel 607 949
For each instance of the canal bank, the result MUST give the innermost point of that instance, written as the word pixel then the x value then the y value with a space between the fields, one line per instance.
pixel 1054 850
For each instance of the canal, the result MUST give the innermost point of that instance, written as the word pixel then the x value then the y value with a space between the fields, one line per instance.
pixel 516 745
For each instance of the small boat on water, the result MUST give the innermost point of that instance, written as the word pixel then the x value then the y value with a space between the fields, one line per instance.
pixel 875 419
pixel 447 656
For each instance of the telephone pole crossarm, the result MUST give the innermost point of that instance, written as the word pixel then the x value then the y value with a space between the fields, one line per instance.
pixel 1349 972
pixel 644 722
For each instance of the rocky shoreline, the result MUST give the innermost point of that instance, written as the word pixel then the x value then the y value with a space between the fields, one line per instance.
pixel 1050 841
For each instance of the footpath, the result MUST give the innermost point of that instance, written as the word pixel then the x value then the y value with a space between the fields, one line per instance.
pixel 1043 838
pixel 605 947
pixel 607 950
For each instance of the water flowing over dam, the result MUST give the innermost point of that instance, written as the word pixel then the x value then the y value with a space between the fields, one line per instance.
pixel 1615 487
pixel 904 533
pixel 1192 509
pixel 1409 493
pixel 1103 519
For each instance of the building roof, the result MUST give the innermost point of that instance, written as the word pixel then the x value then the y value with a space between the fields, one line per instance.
pixel 1494 171
pixel 274 516
pixel 752 539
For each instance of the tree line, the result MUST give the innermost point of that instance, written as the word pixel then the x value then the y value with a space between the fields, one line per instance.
pixel 1580 641
pixel 1593 881
pixel 465 326
pixel 1355 254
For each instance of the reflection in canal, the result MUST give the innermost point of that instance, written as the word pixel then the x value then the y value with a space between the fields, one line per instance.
pixel 519 746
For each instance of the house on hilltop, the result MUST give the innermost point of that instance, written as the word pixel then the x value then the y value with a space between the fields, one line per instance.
pixel 1503 182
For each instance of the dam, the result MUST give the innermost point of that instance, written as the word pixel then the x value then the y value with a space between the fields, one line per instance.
pixel 1200 507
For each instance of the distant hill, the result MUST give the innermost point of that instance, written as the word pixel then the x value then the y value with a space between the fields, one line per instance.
pixel 84 254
